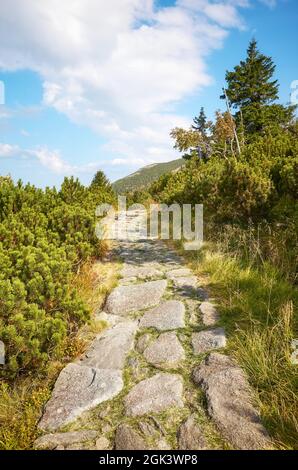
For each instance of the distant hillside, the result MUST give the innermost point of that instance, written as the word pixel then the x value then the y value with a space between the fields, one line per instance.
pixel 146 175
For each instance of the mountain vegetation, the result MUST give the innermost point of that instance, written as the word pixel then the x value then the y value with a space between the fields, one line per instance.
pixel 243 167
pixel 45 236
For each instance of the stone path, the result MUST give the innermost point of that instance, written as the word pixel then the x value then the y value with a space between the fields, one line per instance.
pixel 143 383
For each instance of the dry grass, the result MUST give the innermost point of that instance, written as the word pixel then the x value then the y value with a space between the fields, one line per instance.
pixel 20 407
pixel 95 280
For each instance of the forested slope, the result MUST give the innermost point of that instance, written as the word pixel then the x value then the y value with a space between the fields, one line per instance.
pixel 146 175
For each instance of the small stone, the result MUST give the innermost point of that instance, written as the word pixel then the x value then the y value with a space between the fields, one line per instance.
pixel 210 314
pixel 143 342
pixel 110 348
pixel 181 272
pixel 160 392
pixel 165 352
pixel 106 427
pixel 60 447
pixel 102 443
pixel 105 412
pixel 126 299
pixel 51 441
pixel 230 402
pixel 128 439
pixel 78 389
pixel 190 436
pixel 167 316
pixel 186 283
pixel 207 340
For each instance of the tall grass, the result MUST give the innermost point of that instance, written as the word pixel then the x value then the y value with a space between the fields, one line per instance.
pixel 257 302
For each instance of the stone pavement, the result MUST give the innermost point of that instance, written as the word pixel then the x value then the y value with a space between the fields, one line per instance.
pixel 158 376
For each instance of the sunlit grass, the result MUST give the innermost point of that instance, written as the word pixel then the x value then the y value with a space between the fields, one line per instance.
pixel 257 307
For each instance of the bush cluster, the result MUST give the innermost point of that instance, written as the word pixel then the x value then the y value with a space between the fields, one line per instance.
pixel 45 236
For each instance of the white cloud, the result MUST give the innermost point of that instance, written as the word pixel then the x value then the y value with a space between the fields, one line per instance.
pixel 117 66
pixel 7 150
pixel 51 160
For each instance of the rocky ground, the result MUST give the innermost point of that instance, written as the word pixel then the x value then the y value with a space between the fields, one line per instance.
pixel 158 376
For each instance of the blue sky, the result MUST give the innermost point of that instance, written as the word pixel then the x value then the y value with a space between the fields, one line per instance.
pixel 99 85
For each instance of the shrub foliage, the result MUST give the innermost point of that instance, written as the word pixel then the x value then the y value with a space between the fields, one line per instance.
pixel 45 236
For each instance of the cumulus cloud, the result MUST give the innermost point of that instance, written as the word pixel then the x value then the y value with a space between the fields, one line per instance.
pixel 51 160
pixel 117 66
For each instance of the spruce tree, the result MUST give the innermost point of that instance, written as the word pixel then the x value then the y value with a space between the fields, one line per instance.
pixel 201 125
pixel 252 91
pixel 200 122
pixel 100 181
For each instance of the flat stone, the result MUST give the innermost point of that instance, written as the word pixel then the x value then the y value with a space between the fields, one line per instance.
pixel 210 314
pixel 187 283
pixel 140 272
pixel 165 352
pixel 127 438
pixel 167 316
pixel 109 349
pixel 51 441
pixel 143 342
pixel 102 443
pixel 181 272
pixel 78 389
pixel 190 436
pixel 126 299
pixel 207 340
pixel 156 394
pixel 230 402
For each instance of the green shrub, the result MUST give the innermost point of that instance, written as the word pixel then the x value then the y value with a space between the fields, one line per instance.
pixel 44 238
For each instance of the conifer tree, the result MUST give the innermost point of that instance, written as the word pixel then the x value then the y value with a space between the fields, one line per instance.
pixel 200 122
pixel 201 125
pixel 100 181
pixel 253 91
